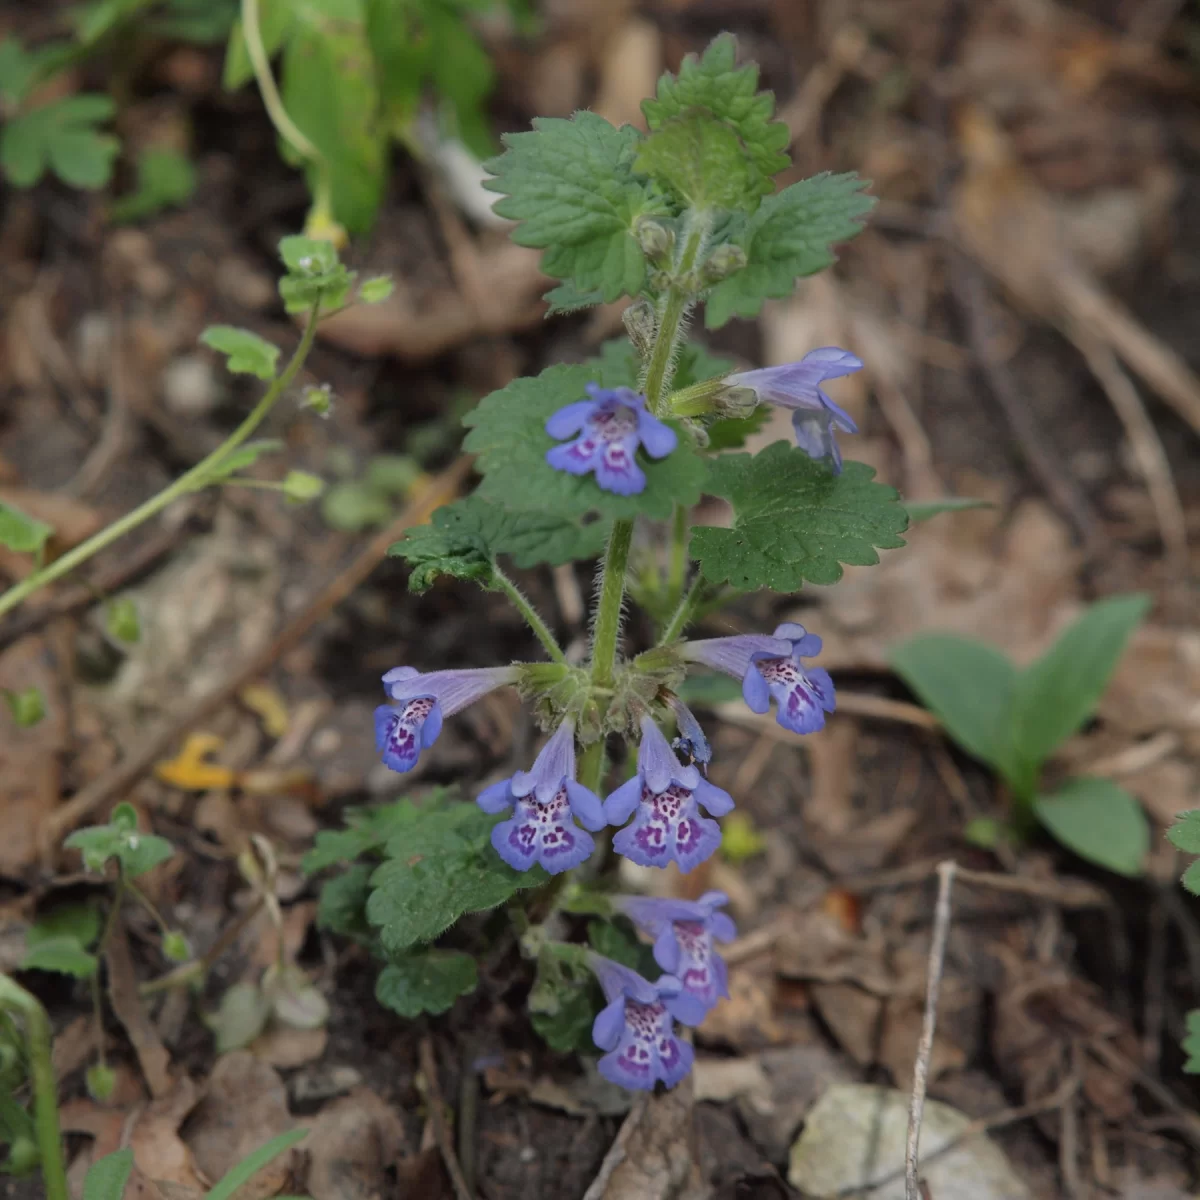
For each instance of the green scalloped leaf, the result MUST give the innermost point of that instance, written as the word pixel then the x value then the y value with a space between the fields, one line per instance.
pixel 794 520
pixel 426 983
pixel 464 538
pixel 440 866
pixel 714 84
pixel 790 236
pixel 571 184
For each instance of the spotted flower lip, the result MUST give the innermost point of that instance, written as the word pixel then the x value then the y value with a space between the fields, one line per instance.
pixel 637 1028
pixel 404 729
pixel 771 667
pixel 666 797
pixel 607 430
pixel 797 386
pixel 684 931
pixel 545 801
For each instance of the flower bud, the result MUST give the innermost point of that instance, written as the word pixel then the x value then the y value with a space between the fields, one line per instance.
pixel 641 325
pixel 318 400
pixel 656 240
pixel 302 486
pixel 100 1081
pixel 722 262
pixel 175 947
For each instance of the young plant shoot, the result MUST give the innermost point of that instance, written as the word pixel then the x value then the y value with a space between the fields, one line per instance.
pixel 682 218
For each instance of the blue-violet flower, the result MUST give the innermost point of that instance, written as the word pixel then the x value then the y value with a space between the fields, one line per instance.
pixel 402 731
pixel 610 427
pixel 665 795
pixel 798 386
pixel 544 802
pixel 684 931
pixel 771 666
pixel 636 1028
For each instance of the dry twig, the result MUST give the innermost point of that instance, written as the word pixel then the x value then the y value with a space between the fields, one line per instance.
pixel 437 1118
pixel 937 963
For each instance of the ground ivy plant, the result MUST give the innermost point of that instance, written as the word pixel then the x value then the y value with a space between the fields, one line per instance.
pixel 608 458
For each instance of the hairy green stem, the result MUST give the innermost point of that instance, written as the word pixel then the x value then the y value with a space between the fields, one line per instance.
pixel 661 365
pixel 677 565
pixel 532 617
pixel 608 610
pixel 683 612
pixel 189 481
pixel 38 1038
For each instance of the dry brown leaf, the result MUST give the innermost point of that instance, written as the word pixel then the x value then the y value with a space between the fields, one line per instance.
pixel 796 1077
pixel 153 1056
pixel 978 573
pixel 244 1108
pixel 74 1046
pixel 30 759
pixel 157 1147
pixel 354 1144
pixel 290 1048
pixel 151 1132
pixel 746 1019
pixel 652 1158
pixel 817 948
pixel 1041 1014
pixel 418 327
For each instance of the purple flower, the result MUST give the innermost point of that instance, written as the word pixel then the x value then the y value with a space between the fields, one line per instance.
pixel 665 795
pixel 545 802
pixel 684 931
pixel 691 743
pixel 798 386
pixel 402 731
pixel 771 666
pixel 636 1027
pixel 611 426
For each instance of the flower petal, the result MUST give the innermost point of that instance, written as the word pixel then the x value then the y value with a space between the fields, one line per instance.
pixel 586 805
pixel 569 419
pixel 666 950
pixel 657 438
pixel 619 805
pixel 609 1024
pixel 714 800
pixel 822 684
pixel 496 797
pixel 617 470
pixel 657 764
pixel 755 691
pixel 554 763
pixel 732 655
pixel 577 458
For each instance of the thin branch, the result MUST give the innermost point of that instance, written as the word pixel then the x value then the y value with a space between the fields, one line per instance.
pixel 437 1117
pixel 937 963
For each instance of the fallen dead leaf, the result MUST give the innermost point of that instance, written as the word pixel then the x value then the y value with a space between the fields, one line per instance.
pixel 245 1106
pixel 290 1048
pixel 151 1132
pixel 353 1145
pixel 153 1056
pixel 652 1158
pixel 30 759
